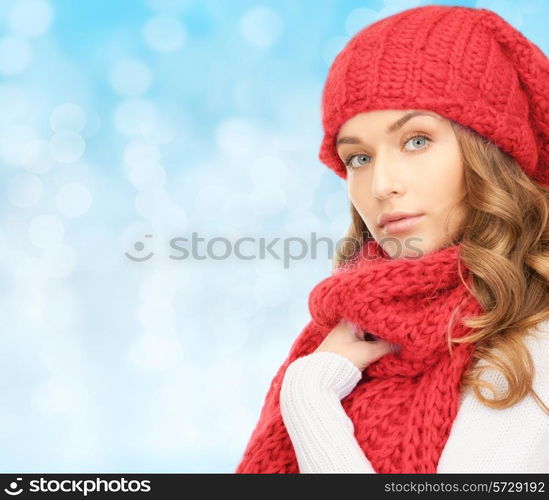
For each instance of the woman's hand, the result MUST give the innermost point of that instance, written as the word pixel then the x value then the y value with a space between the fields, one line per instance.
pixel 347 341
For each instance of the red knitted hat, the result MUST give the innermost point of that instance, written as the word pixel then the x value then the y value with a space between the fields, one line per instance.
pixel 468 65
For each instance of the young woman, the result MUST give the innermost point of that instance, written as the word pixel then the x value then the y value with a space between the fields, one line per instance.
pixel 428 347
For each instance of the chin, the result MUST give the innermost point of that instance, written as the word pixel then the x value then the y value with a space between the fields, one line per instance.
pixel 409 246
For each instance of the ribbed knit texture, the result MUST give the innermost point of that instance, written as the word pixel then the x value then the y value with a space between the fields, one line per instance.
pixel 466 64
pixel 404 405
pixel 482 439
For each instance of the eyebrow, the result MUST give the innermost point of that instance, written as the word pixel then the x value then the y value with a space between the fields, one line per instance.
pixel 390 129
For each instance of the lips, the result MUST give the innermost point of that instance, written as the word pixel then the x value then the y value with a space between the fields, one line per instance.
pixel 401 225
pixel 394 216
pixel 400 218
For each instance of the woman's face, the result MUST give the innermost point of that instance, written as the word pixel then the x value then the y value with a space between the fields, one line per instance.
pixel 409 165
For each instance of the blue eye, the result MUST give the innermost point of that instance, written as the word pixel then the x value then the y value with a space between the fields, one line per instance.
pixel 420 137
pixel 348 160
pixel 417 135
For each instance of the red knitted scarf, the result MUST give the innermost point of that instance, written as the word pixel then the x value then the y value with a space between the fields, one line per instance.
pixel 404 405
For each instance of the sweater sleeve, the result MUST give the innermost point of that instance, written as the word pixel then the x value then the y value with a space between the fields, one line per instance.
pixel 321 432
pixel 482 439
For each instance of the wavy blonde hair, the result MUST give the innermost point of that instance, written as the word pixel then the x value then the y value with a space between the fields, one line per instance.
pixel 504 241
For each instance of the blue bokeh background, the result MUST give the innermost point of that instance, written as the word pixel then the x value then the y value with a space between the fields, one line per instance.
pixel 124 124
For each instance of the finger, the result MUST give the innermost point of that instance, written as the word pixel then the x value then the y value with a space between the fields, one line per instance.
pixel 350 329
pixel 357 331
pixel 379 347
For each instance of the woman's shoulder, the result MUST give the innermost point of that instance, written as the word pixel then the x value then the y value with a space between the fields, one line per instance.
pixel 537 342
pixel 503 440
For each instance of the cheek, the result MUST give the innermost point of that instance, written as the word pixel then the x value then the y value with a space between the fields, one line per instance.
pixel 445 197
pixel 360 197
pixel 359 194
pixel 448 192
pixel 454 188
pixel 444 181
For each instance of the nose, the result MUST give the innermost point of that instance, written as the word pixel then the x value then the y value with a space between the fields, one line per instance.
pixel 387 177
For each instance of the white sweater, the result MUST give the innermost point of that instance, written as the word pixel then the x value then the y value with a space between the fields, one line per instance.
pixel 482 439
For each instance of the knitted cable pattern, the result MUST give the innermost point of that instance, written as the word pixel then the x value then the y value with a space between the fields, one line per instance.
pixel 404 405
